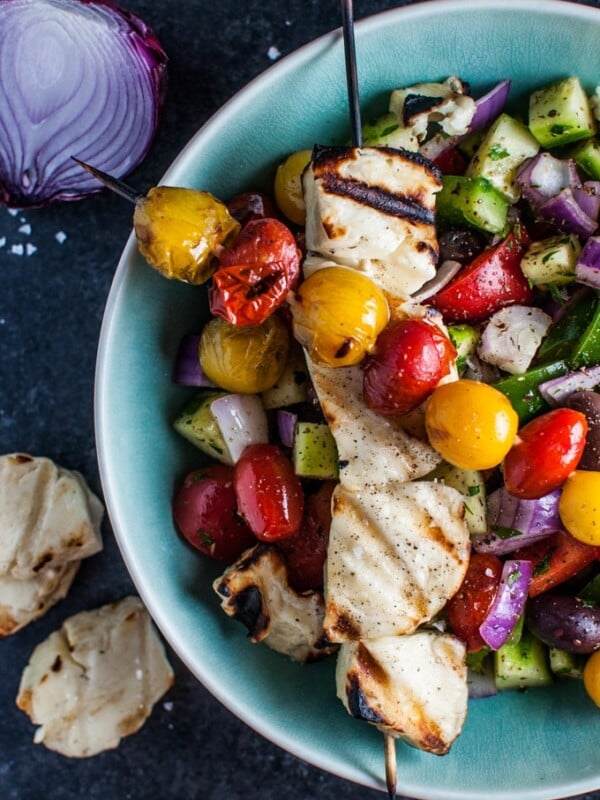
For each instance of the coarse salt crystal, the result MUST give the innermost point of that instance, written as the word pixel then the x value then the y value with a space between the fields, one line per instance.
pixel 30 249
pixel 17 249
pixel 60 236
pixel 168 705
pixel 13 211
pixel 26 229
pixel 2 241
pixel 273 53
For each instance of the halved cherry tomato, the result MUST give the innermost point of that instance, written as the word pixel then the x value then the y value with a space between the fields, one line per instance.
pixel 305 552
pixel 546 451
pixel 205 513
pixel 269 493
pixel 248 206
pixel 493 280
pixel 255 273
pixel 555 560
pixel 470 605
pixel 411 357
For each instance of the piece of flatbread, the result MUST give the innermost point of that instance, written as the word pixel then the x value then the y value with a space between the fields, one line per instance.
pixel 22 601
pixel 48 516
pixel 95 680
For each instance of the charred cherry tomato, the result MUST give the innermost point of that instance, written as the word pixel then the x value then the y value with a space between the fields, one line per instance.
pixel 555 560
pixel 411 357
pixel 546 451
pixel 470 424
pixel 269 493
pixel 579 506
pixel 470 605
pixel 205 513
pixel 255 273
pixel 249 206
pixel 492 281
pixel 305 552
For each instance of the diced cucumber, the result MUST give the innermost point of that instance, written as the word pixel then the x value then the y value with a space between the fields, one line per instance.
pixel 551 261
pixel 565 665
pixel 587 350
pixel 523 665
pixel 587 156
pixel 292 386
pixel 561 113
pixel 464 338
pixel 504 147
pixel 197 424
pixel 471 201
pixel 470 483
pixel 315 453
pixel 386 131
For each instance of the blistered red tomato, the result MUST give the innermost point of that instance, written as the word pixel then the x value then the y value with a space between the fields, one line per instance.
pixel 205 513
pixel 248 206
pixel 546 451
pixel 255 273
pixel 470 605
pixel 411 357
pixel 306 552
pixel 269 493
pixel 493 280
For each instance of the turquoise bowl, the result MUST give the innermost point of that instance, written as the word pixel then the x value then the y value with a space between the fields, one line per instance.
pixel 540 744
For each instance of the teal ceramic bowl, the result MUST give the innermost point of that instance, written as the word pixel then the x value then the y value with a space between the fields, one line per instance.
pixel 540 744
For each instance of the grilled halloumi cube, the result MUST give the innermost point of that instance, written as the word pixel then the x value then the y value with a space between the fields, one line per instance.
pixel 446 103
pixel 397 553
pixel 412 687
pixel 372 209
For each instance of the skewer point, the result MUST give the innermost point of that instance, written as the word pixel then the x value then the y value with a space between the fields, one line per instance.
pixel 114 184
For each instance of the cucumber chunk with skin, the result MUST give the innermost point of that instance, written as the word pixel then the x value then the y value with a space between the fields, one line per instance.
pixel 470 483
pixel 197 424
pixel 551 261
pixel 504 147
pixel 292 385
pixel 471 201
pixel 315 453
pixel 522 665
pixel 561 113
pixel 587 156
pixel 566 665
pixel 386 131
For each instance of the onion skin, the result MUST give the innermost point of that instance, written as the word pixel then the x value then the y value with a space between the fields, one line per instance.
pixel 95 91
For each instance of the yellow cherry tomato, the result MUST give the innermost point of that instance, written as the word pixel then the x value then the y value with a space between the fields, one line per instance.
pixel 579 506
pixel 338 314
pixel 288 186
pixel 472 425
pixel 591 677
pixel 179 231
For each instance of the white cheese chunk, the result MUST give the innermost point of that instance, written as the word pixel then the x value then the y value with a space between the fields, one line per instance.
pixel 512 336
pixel 95 680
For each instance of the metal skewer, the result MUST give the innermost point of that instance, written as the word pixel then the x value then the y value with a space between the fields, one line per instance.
pixel 115 184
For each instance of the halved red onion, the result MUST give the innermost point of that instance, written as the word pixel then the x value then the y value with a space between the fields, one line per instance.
pixel 83 79
pixel 490 105
pixel 587 269
pixel 565 212
pixel 509 603
pixel 286 426
pixel 556 391
pixel 445 272
pixel 187 370
pixel 514 523
pixel 242 421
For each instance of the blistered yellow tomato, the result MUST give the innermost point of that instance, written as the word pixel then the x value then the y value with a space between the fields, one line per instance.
pixel 288 186
pixel 579 506
pixel 338 314
pixel 244 360
pixel 470 424
pixel 179 231
pixel 591 677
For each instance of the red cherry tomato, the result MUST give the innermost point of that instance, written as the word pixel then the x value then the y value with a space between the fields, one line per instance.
pixel 450 161
pixel 205 513
pixel 411 356
pixel 305 552
pixel 555 560
pixel 494 279
pixel 470 605
pixel 247 206
pixel 545 453
pixel 269 493
pixel 255 273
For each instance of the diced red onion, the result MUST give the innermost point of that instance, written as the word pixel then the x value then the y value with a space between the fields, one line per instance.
pixel 187 370
pixel 481 684
pixel 509 603
pixel 543 176
pixel 557 390
pixel 587 269
pixel 286 426
pixel 514 523
pixel 490 105
pixel 512 336
pixel 83 79
pixel 242 421
pixel 446 271
pixel 587 197
pixel 566 213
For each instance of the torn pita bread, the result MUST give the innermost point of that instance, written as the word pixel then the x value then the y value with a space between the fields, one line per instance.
pixel 95 680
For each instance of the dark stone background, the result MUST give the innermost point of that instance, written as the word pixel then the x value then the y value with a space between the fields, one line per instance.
pixel 51 306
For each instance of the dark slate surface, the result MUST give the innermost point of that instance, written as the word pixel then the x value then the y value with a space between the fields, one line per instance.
pixel 51 306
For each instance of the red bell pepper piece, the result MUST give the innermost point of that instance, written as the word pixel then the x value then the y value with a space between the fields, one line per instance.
pixel 556 559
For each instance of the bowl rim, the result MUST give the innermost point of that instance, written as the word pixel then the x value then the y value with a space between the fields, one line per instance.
pixel 174 172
